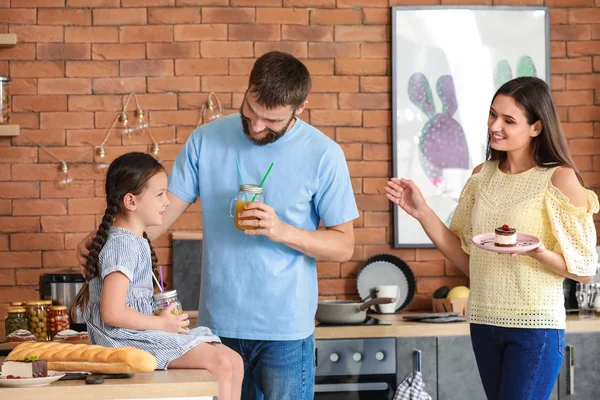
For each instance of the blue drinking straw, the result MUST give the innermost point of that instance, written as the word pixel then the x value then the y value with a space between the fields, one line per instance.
pixel 240 175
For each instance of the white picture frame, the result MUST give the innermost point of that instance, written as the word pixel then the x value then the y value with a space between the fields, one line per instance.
pixel 447 63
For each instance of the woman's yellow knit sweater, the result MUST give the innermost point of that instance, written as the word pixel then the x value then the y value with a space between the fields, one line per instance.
pixel 519 291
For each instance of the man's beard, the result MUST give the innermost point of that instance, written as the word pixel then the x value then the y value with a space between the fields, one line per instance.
pixel 271 136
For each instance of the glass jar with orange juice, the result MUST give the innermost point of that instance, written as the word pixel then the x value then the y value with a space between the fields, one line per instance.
pixel 247 194
pixel 162 300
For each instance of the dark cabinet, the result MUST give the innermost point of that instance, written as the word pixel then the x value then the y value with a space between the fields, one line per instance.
pixel 458 377
pixel 450 371
pixel 580 373
pixel 406 348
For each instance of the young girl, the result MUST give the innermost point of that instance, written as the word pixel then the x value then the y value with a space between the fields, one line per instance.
pixel 117 298
pixel 516 304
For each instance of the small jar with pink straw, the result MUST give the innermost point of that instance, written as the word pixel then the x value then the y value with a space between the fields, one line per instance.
pixel 162 299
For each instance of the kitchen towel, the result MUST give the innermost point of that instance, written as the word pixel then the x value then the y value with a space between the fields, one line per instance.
pixel 412 388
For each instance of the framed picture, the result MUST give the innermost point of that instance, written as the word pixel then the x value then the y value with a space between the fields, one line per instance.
pixel 447 63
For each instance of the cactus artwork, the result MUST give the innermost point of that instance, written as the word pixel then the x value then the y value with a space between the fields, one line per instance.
pixel 442 143
pixel 503 71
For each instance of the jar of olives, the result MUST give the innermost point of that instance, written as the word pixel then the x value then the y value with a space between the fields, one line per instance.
pixel 48 304
pixel 15 320
pixel 36 317
pixel 58 320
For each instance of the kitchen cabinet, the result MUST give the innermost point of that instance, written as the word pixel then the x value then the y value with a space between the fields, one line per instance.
pixel 458 377
pixel 405 353
pixel 448 363
pixel 579 381
pixel 173 384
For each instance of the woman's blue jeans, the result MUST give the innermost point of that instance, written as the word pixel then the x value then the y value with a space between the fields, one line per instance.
pixel 517 363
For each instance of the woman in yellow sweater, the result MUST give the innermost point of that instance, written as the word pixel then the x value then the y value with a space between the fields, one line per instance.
pixel 516 304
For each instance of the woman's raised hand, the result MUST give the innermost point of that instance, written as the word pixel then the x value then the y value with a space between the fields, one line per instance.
pixel 173 322
pixel 407 196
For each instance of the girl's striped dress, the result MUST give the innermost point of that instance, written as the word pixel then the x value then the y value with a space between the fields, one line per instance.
pixel 129 254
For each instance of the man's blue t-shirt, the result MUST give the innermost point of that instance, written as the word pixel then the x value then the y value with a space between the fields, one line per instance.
pixel 252 287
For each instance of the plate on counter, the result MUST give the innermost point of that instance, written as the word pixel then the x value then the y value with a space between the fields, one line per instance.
pixel 53 376
pixel 525 243
pixel 386 269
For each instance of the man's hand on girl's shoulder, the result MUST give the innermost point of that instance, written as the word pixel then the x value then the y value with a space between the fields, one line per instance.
pixel 83 248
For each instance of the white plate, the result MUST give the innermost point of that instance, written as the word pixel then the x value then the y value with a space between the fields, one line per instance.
pixel 525 243
pixel 385 269
pixel 53 376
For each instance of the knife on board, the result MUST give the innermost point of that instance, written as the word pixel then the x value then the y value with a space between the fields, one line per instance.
pixel 93 379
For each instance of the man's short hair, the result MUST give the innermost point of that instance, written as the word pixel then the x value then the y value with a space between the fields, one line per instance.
pixel 279 80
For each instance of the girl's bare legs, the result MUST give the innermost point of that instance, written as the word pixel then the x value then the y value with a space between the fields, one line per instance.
pixel 237 364
pixel 237 369
pixel 222 362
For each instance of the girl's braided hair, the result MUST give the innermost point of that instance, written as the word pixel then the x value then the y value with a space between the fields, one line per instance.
pixel 128 173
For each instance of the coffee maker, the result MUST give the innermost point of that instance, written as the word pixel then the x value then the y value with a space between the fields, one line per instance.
pixel 62 290
pixel 569 288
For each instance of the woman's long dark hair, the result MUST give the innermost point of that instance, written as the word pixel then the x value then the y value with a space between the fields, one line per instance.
pixel 533 97
pixel 128 173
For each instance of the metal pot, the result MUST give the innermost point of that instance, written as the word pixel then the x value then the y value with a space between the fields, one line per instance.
pixel 347 311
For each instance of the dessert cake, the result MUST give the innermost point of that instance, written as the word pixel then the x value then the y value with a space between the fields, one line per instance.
pixel 28 368
pixel 505 236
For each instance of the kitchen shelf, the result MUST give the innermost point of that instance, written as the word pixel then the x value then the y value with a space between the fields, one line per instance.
pixel 8 40
pixel 9 130
pixel 187 235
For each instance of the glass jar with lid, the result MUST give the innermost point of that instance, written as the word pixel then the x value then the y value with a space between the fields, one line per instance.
pixel 15 320
pixel 4 100
pixel 36 318
pixel 246 194
pixel 48 304
pixel 162 300
pixel 58 320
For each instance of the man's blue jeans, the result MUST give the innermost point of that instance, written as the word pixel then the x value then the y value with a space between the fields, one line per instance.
pixel 517 363
pixel 276 370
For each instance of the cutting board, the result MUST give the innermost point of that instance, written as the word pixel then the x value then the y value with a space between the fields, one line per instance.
pixel 187 267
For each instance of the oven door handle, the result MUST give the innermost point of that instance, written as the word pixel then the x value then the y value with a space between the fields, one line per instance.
pixel 351 387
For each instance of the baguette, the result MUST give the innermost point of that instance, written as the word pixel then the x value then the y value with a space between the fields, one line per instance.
pixel 86 358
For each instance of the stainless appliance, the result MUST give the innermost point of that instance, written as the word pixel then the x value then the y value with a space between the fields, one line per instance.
pixel 62 289
pixel 569 287
pixel 355 369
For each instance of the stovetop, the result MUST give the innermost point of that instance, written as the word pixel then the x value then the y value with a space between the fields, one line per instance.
pixel 368 322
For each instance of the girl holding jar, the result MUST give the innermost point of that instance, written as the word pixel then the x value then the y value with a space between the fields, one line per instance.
pixel 117 297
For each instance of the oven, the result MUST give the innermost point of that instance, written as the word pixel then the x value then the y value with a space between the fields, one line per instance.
pixel 355 369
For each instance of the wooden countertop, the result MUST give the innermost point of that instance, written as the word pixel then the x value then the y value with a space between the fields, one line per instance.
pixel 401 328
pixel 157 384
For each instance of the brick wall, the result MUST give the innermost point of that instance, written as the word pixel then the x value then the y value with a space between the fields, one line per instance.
pixel 74 65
